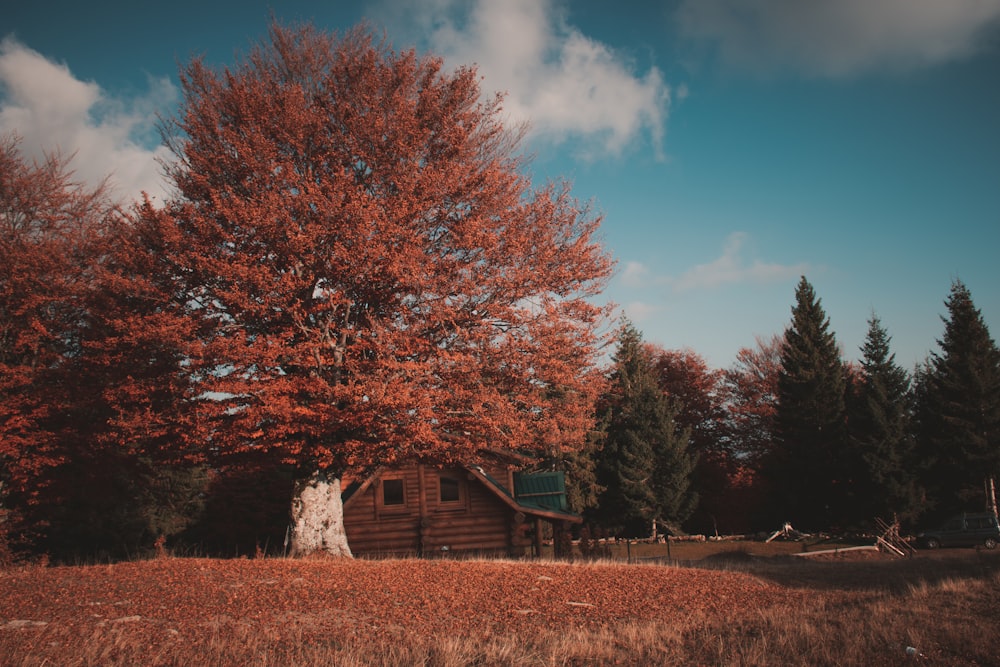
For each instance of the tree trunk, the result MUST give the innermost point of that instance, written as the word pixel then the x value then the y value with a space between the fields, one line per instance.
pixel 318 517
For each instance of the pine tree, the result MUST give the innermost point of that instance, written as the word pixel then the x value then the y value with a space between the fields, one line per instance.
pixel 960 408
pixel 673 469
pixel 885 482
pixel 807 467
pixel 695 391
pixel 645 465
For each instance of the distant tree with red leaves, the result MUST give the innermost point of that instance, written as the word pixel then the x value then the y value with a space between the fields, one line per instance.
pixel 685 377
pixel 377 278
pixel 89 369
pixel 750 389
pixel 50 230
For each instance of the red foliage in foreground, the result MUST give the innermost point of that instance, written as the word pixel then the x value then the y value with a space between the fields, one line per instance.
pixel 49 613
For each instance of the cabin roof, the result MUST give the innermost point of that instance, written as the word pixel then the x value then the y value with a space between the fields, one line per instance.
pixel 529 505
pixel 545 490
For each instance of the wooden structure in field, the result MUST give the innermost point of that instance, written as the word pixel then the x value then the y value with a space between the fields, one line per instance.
pixel 427 510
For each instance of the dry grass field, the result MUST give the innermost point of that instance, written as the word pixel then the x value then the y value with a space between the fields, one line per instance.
pixel 730 606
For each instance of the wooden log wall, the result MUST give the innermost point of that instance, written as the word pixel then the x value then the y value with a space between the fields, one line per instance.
pixel 479 521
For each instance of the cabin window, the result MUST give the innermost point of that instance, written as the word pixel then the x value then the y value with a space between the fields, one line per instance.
pixel 450 490
pixel 393 492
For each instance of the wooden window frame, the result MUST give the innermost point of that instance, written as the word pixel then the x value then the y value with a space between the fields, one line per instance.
pixel 391 508
pixel 455 503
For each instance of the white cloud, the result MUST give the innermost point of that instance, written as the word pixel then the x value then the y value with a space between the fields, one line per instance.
pixel 639 311
pixel 636 274
pixel 54 112
pixel 839 37
pixel 565 84
pixel 730 268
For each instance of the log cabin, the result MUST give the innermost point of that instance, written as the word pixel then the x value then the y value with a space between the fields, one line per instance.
pixel 425 510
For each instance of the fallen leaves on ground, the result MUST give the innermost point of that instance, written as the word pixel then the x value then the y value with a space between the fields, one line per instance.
pixel 346 601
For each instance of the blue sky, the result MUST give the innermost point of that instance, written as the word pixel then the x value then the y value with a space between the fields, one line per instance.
pixel 731 145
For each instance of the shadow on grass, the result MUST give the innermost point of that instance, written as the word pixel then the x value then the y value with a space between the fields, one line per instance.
pixel 854 571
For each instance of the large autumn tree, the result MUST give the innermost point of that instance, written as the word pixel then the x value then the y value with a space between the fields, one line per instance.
pixel 959 408
pixel 382 280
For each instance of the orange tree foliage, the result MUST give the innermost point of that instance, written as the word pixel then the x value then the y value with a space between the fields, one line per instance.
pixel 50 228
pixel 378 277
pixel 89 364
pixel 694 388
pixel 752 397
pixel 137 346
pixel 751 394
pixel 44 227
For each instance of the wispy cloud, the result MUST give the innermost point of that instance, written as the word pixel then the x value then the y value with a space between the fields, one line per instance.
pixel 729 268
pixel 565 84
pixel 54 112
pixel 639 311
pixel 842 37
pixel 732 268
pixel 636 274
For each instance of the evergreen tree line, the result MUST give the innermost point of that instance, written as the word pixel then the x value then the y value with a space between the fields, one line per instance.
pixel 793 433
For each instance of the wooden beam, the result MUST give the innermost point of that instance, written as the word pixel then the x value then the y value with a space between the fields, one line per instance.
pixel 364 487
pixel 538 538
pixel 421 509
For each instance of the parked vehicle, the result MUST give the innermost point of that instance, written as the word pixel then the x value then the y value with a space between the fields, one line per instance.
pixel 965 530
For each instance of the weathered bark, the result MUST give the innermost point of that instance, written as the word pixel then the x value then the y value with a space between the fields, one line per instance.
pixel 318 517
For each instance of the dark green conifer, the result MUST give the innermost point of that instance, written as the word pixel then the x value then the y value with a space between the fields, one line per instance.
pixel 644 465
pixel 808 467
pixel 879 425
pixel 673 470
pixel 959 409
